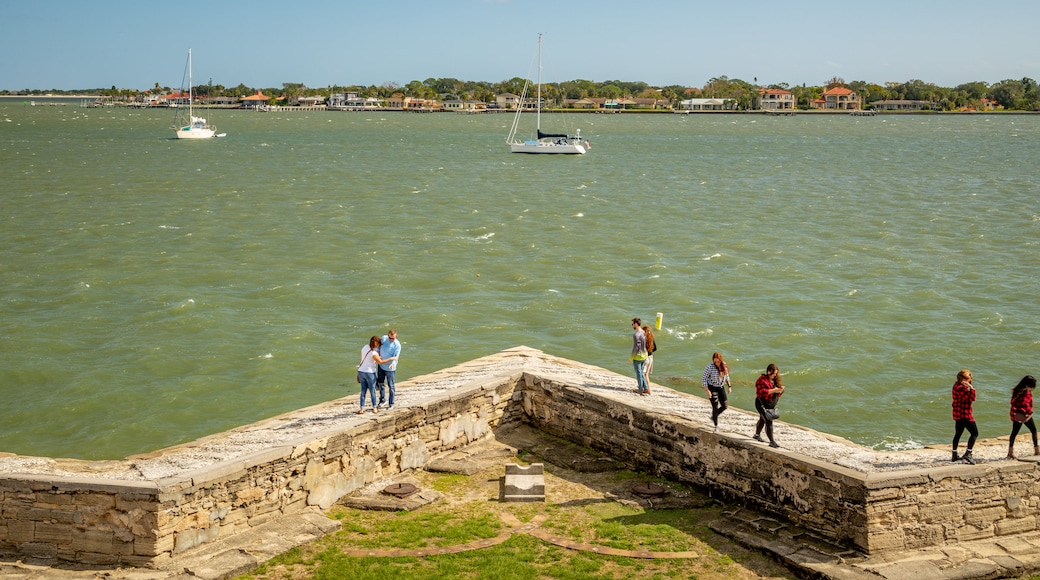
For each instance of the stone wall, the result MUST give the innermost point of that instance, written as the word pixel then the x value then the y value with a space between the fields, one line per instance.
pixel 88 517
pixel 875 512
pixel 146 523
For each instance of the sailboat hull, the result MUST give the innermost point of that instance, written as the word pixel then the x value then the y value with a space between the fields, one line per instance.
pixel 548 148
pixel 195 133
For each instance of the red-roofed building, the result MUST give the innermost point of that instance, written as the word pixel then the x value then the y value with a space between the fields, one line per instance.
pixel 775 100
pixel 842 98
pixel 253 101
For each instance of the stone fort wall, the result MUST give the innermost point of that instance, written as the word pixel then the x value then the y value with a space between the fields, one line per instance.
pixel 82 515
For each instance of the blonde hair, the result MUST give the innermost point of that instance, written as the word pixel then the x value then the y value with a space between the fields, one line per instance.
pixel 965 374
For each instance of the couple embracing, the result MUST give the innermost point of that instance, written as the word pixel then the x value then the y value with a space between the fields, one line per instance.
pixel 378 366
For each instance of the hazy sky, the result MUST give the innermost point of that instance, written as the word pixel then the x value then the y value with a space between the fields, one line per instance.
pixel 66 44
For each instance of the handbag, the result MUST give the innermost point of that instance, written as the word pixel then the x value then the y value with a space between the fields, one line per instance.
pixel 1020 417
pixel 771 414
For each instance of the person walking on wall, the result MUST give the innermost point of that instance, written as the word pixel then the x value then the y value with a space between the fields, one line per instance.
pixel 715 380
pixel 638 356
pixel 963 397
pixel 1022 413
pixel 768 389
pixel 389 351
pixel 651 348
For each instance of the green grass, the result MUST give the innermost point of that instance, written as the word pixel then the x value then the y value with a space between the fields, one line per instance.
pixel 469 513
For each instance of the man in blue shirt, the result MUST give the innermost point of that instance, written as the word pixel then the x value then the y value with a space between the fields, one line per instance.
pixel 390 349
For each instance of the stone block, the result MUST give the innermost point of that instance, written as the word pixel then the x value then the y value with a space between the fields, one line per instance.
pixel 939 513
pixel 102 500
pixel 20 531
pixel 524 483
pixel 153 546
pixel 1016 526
pixel 413 455
pixel 194 537
pixel 97 559
pixel 884 541
pixel 328 490
pixel 41 550
pixel 972 533
pixel 984 516
pixel 53 533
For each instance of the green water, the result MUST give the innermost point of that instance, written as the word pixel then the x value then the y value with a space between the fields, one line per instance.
pixel 153 291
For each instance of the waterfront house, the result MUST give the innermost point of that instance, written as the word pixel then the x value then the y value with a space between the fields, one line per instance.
pixel 841 98
pixel 714 104
pixel 355 102
pixel 580 104
pixel 464 106
pixel 221 101
pixel 254 101
pixel 316 101
pixel 775 99
pixel 399 102
pixel 901 105
pixel 170 100
pixel 507 101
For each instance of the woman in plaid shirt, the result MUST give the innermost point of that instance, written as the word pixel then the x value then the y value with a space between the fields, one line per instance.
pixel 1022 413
pixel 963 397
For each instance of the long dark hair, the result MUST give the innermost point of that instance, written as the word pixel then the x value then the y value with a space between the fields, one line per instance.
pixel 776 380
pixel 1027 382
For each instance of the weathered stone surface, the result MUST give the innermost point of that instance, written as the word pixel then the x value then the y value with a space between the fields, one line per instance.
pixel 183 505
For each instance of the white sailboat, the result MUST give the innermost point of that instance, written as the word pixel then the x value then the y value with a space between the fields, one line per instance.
pixel 560 143
pixel 192 127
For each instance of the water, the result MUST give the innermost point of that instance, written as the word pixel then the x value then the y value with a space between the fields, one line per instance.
pixel 153 291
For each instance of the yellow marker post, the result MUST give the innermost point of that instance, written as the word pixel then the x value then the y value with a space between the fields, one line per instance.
pixel 660 319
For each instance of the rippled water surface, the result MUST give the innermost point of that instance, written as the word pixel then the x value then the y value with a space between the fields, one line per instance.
pixel 153 291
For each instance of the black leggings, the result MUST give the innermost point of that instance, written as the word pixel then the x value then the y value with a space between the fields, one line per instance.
pixel 973 431
pixel 763 421
pixel 1029 425
pixel 718 403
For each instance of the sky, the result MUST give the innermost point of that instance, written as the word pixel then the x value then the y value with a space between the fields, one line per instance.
pixel 68 45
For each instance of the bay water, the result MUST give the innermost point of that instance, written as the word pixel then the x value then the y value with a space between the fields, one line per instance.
pixel 153 291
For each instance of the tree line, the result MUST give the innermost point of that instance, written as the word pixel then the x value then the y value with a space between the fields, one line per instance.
pixel 1023 94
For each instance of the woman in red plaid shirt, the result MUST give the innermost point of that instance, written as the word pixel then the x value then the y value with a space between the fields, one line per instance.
pixel 963 397
pixel 1022 413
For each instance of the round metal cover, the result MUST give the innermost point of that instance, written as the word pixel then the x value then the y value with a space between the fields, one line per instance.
pixel 400 489
pixel 648 489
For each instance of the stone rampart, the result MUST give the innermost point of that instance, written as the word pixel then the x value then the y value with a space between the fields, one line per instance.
pixel 146 510
pixel 145 523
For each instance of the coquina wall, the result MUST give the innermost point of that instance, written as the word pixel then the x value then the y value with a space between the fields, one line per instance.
pixel 146 523
pixel 876 512
pixel 89 518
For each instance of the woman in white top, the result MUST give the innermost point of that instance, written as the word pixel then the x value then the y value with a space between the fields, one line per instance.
pixel 370 361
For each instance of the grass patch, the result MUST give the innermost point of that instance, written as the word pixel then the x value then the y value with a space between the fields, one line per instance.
pixel 581 507
pixel 418 529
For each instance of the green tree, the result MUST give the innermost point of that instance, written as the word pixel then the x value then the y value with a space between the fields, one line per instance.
pixel 1008 93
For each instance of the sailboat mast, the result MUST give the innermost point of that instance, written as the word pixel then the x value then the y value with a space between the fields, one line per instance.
pixel 189 88
pixel 538 103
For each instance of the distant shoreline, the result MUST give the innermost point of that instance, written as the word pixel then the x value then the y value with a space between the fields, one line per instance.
pixel 765 112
